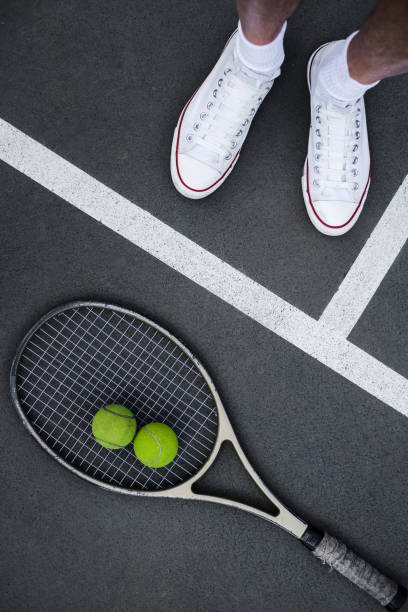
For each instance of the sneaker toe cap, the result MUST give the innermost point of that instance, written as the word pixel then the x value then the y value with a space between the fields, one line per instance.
pixel 335 213
pixel 195 174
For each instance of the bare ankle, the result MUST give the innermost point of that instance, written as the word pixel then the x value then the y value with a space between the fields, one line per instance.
pixel 359 65
pixel 261 34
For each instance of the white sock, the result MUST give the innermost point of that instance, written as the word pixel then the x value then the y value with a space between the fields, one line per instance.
pixel 333 77
pixel 265 59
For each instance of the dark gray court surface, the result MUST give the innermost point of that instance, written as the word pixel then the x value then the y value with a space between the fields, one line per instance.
pixel 102 84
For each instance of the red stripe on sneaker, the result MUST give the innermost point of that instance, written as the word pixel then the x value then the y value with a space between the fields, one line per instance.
pixel 179 130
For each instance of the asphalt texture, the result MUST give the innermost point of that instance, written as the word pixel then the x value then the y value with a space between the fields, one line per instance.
pixel 102 84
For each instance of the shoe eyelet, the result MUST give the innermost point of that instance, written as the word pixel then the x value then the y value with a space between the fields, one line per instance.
pixel 260 99
pixel 239 133
pixel 233 144
pixel 227 157
pixel 267 89
pixel 355 172
pixel 318 133
pixel 203 115
pixel 189 137
pixel 215 93
pixel 226 71
pixel 252 113
pixel 318 107
pixel 245 122
pixel 355 160
pixel 316 183
pixel 220 82
pixel 196 127
pixel 318 119
pixel 318 145
pixel 357 123
pixel 357 135
pixel 355 186
pixel 210 105
pixel 355 147
pixel 316 169
pixel 317 156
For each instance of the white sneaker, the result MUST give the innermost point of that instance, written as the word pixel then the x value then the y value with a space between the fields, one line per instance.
pixel 336 176
pixel 214 124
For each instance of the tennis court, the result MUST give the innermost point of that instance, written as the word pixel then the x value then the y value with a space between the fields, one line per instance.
pixel 304 336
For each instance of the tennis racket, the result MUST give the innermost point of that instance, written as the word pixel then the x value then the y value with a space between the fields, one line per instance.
pixel 83 355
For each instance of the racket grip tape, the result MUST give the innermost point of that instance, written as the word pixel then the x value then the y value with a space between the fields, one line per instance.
pixel 332 551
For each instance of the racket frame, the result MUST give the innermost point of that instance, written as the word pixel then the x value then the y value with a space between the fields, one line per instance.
pixel 285 519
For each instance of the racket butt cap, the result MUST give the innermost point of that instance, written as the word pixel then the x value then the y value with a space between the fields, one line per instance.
pixel 398 600
pixel 312 538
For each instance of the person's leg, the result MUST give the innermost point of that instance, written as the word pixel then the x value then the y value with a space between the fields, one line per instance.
pixel 262 20
pixel 337 169
pixel 380 49
pixel 215 122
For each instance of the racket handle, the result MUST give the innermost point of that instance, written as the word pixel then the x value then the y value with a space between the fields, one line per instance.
pixel 336 554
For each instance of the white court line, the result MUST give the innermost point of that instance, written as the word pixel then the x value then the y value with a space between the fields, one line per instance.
pixel 172 248
pixel 372 264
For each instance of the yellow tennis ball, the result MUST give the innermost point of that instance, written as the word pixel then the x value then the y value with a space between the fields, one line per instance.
pixel 156 445
pixel 114 426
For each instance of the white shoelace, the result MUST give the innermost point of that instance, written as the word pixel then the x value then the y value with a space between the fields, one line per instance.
pixel 235 103
pixel 337 146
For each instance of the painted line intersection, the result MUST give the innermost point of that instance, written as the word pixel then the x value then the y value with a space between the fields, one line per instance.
pixel 324 339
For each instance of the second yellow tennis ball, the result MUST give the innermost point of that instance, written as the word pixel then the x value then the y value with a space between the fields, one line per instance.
pixel 114 426
pixel 156 445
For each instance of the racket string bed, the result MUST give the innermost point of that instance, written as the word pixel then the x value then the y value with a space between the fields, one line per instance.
pixel 84 358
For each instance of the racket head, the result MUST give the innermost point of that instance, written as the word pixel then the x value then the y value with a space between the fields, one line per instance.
pixel 83 355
